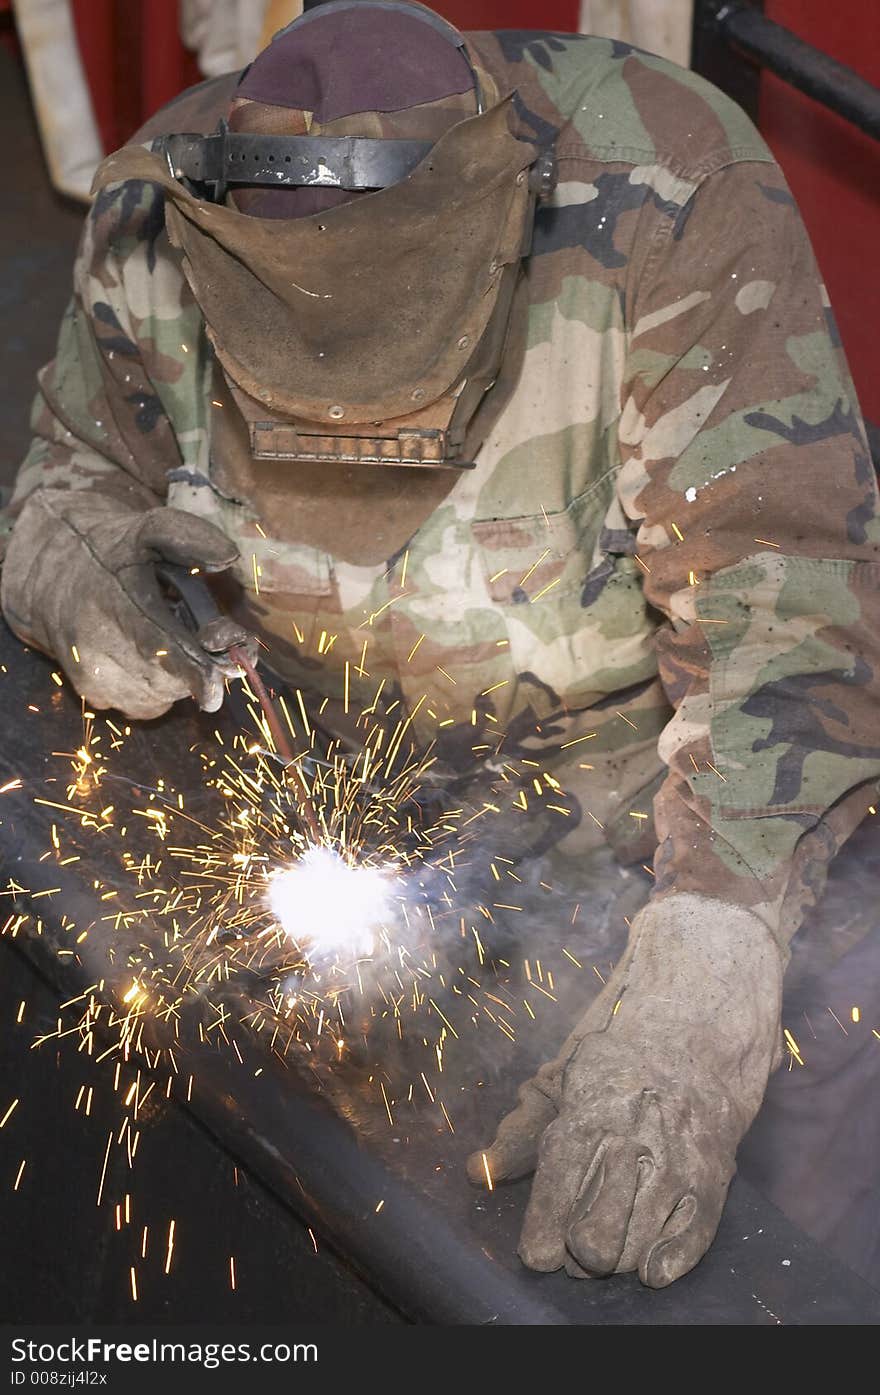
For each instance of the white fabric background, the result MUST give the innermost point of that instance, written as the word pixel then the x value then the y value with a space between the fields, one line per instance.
pixel 63 106
pixel 660 26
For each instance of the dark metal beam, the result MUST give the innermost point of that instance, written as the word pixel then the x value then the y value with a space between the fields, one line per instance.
pixel 711 58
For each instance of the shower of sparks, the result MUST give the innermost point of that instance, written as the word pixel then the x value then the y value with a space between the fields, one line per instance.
pixel 226 917
pixel 262 928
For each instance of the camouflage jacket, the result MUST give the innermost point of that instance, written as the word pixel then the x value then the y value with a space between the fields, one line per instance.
pixel 657 592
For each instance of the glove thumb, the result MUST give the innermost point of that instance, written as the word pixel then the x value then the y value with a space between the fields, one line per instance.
pixel 186 539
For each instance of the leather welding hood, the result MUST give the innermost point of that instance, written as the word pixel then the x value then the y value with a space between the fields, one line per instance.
pixel 371 330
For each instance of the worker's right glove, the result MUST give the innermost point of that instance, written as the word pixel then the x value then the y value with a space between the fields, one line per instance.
pixel 79 582
pixel 632 1130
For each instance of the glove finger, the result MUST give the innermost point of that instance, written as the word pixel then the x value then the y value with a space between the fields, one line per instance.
pixel 567 1158
pixel 514 1152
pixel 601 1213
pixel 686 1236
pixel 186 539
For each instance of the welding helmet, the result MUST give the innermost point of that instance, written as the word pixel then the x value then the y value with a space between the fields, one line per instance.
pixel 353 232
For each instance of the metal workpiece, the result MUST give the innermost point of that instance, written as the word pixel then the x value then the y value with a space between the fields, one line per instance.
pixel 379 1177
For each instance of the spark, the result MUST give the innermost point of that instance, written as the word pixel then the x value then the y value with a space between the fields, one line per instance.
pixel 489 1182
pixel 545 589
pixel 8 1113
pixel 104 1169
pixel 169 1248
pixel 386 1103
pixel 793 1046
pixel 534 566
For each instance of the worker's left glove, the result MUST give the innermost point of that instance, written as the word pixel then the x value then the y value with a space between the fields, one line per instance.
pixel 79 582
pixel 633 1129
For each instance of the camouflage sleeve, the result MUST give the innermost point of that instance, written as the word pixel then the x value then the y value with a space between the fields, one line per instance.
pixel 102 417
pixel 746 470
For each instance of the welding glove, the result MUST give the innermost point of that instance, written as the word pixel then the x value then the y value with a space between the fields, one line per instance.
pixel 632 1130
pixel 79 583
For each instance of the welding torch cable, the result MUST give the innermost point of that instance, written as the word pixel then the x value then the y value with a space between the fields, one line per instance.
pixel 304 800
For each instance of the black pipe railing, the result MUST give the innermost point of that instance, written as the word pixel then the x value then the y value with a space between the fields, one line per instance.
pixel 798 63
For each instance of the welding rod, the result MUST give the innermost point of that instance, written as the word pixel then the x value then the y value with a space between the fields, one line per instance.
pixel 217 634
pixel 306 808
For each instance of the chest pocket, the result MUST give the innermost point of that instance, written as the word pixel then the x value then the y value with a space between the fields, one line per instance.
pixel 571 599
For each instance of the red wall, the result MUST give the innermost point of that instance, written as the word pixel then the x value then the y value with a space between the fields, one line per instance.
pixel 834 173
pixel 134 61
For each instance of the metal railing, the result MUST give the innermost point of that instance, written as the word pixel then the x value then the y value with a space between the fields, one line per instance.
pixel 743 27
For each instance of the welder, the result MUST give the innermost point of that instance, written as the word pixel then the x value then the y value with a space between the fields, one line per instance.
pixel 501 363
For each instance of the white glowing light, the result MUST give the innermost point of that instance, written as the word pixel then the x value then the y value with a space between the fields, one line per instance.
pixel 323 902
